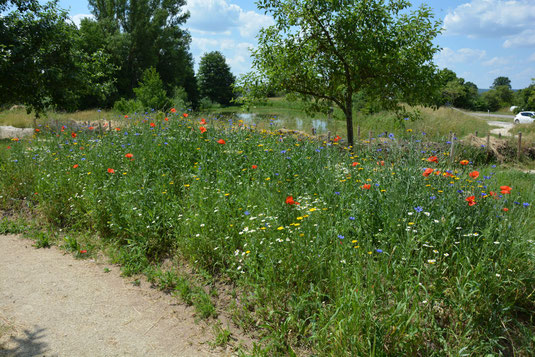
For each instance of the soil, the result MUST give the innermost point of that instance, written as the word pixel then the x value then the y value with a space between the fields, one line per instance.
pixel 52 304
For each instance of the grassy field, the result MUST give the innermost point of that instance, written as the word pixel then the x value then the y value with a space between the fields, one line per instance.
pixel 20 119
pixel 324 251
pixel 436 123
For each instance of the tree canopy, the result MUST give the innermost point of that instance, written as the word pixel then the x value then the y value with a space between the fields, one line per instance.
pixel 139 34
pixel 330 50
pixel 40 63
pixel 215 78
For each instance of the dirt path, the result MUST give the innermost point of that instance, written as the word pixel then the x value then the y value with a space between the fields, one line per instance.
pixel 54 305
pixel 503 128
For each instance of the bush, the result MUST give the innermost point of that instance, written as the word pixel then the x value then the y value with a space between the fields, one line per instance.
pixel 151 93
pixel 127 106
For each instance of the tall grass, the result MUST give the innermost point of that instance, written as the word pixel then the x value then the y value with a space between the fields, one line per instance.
pixel 333 252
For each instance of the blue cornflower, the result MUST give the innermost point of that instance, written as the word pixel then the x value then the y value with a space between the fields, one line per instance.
pixel 391 135
pixel 525 204
pixel 246 213
pixel 418 209
pixel 352 218
pixel 341 236
pixel 433 197
pixel 336 192
pixel 379 250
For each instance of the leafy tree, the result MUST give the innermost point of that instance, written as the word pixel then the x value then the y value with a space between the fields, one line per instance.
pixel 151 92
pixel 41 64
pixel 327 51
pixel 36 63
pixel 526 97
pixel 215 78
pixel 501 81
pixel 140 34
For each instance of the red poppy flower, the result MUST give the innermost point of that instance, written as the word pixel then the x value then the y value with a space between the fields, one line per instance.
pixel 15 139
pixel 433 159
pixel 126 116
pixel 111 171
pixel 366 186
pixel 290 201
pixel 73 134
pixel 75 166
pixel 152 125
pixel 202 129
pixel 337 138
pixel 166 119
pixel 203 121
pixel 91 128
pixel 117 129
pixel 62 127
pixel 355 164
pixel 254 166
pixel 221 141
pixel 173 110
pixel 464 162
pixel 427 172
pixel 505 209
pixel 474 174
pixel 505 190
pixel 185 115
pixel 129 156
pixel 491 193
pixel 83 251
pixel 9 147
pixel 382 163
pixel 37 130
pixel 471 200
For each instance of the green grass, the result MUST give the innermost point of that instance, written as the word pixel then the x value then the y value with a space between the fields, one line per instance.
pixel 437 123
pixel 376 259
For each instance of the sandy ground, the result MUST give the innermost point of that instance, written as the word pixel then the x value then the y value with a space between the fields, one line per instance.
pixel 503 127
pixel 54 305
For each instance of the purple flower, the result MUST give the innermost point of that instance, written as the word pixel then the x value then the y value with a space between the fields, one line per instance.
pixel 341 236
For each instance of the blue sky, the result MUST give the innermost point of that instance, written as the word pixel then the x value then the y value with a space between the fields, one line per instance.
pixel 482 39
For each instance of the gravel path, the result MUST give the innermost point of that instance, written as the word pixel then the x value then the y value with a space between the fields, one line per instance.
pixel 54 305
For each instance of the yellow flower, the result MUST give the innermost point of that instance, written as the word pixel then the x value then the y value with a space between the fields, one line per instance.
pixel 280 228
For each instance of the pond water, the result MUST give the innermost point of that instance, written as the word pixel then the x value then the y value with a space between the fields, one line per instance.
pixel 322 125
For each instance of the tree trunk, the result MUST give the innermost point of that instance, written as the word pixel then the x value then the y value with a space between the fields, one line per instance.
pixel 348 111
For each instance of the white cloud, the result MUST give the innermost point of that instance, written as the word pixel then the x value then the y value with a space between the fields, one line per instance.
pixel 219 16
pixel 490 18
pixel 448 57
pixel 524 39
pixel 76 19
pixel 251 22
pixel 218 25
pixel 496 61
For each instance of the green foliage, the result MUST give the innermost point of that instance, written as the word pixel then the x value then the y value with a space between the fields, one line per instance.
pixel 404 266
pixel 501 81
pixel 151 93
pixel 215 79
pixel 140 34
pixel 124 106
pixel 328 51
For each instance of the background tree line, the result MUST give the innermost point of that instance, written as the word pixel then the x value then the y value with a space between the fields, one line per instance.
pixel 133 55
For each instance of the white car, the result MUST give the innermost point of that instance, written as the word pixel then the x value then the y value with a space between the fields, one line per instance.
pixel 525 118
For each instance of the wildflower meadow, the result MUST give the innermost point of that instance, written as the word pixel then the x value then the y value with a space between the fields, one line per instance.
pixel 389 248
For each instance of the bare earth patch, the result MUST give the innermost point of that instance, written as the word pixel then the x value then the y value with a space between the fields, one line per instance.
pixel 52 304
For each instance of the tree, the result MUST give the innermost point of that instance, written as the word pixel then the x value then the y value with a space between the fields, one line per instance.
pixel 151 92
pixel 215 78
pixel 140 34
pixel 326 51
pixel 502 81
